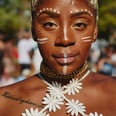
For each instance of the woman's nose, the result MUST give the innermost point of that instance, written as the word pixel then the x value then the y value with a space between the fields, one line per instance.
pixel 64 38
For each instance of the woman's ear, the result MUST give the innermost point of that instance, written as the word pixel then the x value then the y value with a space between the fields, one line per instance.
pixel 95 33
pixel 33 34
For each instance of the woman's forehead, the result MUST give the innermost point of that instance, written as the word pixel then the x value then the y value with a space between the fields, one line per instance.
pixel 52 3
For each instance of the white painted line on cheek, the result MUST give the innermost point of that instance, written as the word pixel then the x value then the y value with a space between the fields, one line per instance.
pixel 42 40
pixel 87 39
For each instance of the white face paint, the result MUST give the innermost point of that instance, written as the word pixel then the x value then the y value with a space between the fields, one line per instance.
pixel 65 68
pixel 82 10
pixel 42 40
pixel 87 39
pixel 72 2
pixel 48 9
pixel 65 58
pixel 65 33
pixel 93 2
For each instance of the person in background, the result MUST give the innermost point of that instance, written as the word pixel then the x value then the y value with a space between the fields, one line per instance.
pixel 113 60
pixel 2 47
pixel 25 52
pixel 9 63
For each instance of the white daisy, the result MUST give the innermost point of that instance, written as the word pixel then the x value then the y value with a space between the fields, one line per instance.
pixel 55 90
pixel 74 107
pixel 33 112
pixel 52 102
pixel 95 114
pixel 73 87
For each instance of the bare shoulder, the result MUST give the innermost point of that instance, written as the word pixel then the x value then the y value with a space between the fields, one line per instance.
pixel 107 81
pixel 24 89
pixel 27 84
pixel 101 90
pixel 106 84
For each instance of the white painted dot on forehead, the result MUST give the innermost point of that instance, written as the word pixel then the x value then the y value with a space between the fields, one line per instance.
pixel 48 9
pixel 72 2
pixel 82 10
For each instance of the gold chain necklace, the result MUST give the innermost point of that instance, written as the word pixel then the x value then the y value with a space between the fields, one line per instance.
pixel 53 75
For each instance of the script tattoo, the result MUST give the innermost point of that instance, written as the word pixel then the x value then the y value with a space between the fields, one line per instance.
pixel 21 100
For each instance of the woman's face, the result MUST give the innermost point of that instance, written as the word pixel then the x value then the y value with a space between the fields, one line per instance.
pixel 64 30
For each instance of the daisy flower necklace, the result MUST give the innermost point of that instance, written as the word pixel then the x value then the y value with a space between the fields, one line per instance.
pixel 55 97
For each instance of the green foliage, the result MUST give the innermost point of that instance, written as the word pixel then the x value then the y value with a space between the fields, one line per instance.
pixel 12 16
pixel 107 17
pixel 10 22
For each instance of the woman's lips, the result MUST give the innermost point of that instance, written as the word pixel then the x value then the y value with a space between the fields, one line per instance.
pixel 65 58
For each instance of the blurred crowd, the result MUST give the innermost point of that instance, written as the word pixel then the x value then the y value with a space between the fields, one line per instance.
pixel 20 59
pixel 102 57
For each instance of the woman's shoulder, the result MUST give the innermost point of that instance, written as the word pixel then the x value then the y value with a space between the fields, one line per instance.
pixel 105 83
pixel 103 78
pixel 25 94
pixel 25 87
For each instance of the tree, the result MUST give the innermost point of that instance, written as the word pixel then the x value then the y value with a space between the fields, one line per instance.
pixel 13 18
pixel 107 18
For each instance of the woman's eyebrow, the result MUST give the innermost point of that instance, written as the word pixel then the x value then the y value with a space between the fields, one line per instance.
pixel 50 13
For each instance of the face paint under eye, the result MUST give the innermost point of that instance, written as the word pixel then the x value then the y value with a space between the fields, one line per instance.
pixel 87 39
pixel 42 40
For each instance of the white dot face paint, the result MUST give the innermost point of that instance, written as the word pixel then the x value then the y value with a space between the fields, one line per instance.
pixel 48 9
pixel 72 2
pixel 87 39
pixel 42 40
pixel 82 10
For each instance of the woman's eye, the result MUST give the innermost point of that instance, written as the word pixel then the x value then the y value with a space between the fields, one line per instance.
pixel 80 26
pixel 49 25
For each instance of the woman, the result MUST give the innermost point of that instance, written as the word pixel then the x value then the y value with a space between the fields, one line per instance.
pixel 64 30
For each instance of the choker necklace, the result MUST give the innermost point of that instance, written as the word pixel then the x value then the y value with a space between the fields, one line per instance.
pixel 53 75
pixel 56 96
